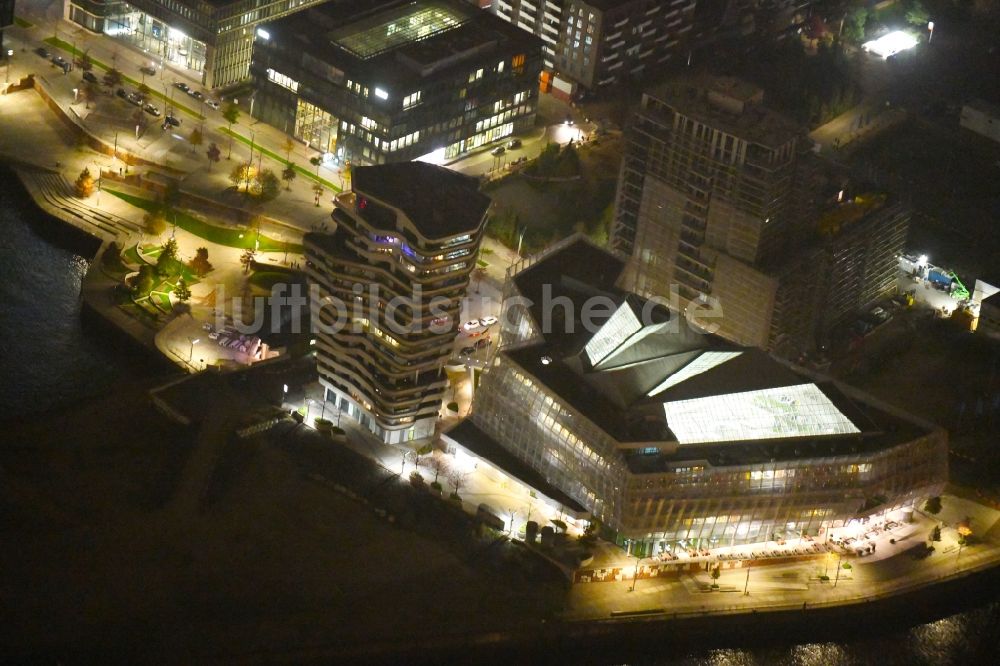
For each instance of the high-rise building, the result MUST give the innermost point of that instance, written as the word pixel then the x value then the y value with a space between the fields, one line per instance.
pixel 211 39
pixel 720 201
pixel 596 43
pixel 401 81
pixel 391 277
pixel 679 439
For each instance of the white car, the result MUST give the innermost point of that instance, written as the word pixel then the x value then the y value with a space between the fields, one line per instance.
pixel 488 320
pixel 471 325
pixel 212 103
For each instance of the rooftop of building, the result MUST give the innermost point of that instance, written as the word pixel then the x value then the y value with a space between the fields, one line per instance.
pixel 440 202
pixel 730 105
pixel 398 42
pixel 645 375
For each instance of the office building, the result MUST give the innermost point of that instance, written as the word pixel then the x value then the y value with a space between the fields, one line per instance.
pixel 211 39
pixel 678 439
pixel 597 43
pixel 403 81
pixel 391 277
pixel 720 202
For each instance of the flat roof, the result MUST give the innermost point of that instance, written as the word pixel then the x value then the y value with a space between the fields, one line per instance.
pixel 756 123
pixel 398 26
pixel 440 202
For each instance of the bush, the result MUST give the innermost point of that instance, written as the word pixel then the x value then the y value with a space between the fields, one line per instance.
pixel 933 505
pixel 847 565
pixel 416 478
pixel 824 578
pixel 453 406
pixel 454 496
pixel 437 487
pixel 323 424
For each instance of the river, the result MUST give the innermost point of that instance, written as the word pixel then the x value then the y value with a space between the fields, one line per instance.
pixel 49 359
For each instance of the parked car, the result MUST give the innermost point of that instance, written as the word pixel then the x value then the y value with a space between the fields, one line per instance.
pixel 212 103
pixel 59 61
pixel 89 76
pixel 483 342
pixel 134 98
pixel 471 325
pixel 197 94
pixel 148 70
pixel 151 110
pixel 171 120
pixel 468 351
pixel 514 143
pixel 183 87
pixel 499 150
pixel 488 320
pixel 42 52
pixel 121 93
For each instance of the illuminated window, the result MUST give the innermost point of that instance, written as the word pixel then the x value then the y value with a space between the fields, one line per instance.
pixel 517 63
pixel 622 324
pixel 282 80
pixel 703 363
pixel 411 100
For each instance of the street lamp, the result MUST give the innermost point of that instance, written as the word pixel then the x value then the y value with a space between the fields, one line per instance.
pixel 930 29
pixel 76 95
pixel 193 341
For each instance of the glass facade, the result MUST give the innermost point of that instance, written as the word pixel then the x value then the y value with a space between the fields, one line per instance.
pixel 729 465
pixel 154 36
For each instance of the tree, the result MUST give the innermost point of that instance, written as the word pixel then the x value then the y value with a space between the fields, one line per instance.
pixel 289 146
pixel 241 175
pixel 84 185
pixel 155 222
pixel 182 291
pixel 933 505
pixel 232 115
pixel 854 24
pixel 112 78
pixel 196 139
pixel 213 154
pixel 199 263
pixel 457 479
pixel 288 175
pixel 439 465
pixel 89 93
pixel 169 249
pixel 270 188
pixel 917 14
pixel 247 259
pixel 715 573
pixel 144 281
pixel 318 192
pixel 84 62
pixel 936 533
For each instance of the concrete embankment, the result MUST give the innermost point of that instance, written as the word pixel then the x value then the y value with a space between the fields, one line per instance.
pixel 640 639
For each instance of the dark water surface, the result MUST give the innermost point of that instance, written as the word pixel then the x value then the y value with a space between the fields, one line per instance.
pixel 50 359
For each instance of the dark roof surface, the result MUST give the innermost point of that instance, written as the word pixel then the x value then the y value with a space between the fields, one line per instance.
pixel 615 397
pixel 477 441
pixel 399 66
pixel 440 202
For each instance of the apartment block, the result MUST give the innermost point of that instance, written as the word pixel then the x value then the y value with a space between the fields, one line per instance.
pixel 391 277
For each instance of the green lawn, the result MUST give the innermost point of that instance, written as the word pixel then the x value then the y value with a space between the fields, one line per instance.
pixel 281 160
pixel 132 256
pixel 267 279
pixel 66 46
pixel 220 235
pixel 20 22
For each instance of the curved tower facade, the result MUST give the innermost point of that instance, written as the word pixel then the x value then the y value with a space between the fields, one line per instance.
pixel 390 281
